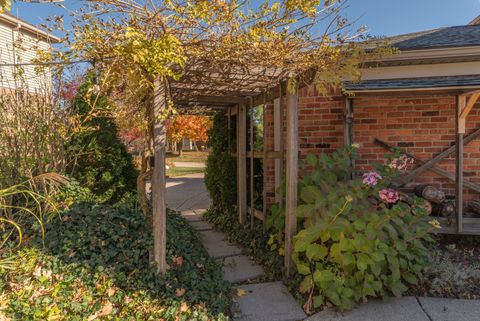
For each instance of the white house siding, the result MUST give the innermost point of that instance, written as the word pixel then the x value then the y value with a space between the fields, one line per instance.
pixel 19 46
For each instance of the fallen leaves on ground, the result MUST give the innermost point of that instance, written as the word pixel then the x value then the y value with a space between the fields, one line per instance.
pixel 241 292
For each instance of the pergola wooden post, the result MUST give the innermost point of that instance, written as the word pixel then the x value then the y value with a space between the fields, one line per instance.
pixel 252 169
pixel 159 215
pixel 463 108
pixel 348 131
pixel 242 163
pixel 291 176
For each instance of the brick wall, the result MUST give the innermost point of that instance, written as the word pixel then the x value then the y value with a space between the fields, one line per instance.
pixel 422 124
pixel 320 130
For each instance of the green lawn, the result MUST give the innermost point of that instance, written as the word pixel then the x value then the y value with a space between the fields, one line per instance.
pixel 182 171
pixel 200 157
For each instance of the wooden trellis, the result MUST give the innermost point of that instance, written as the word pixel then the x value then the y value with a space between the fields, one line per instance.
pixel 465 102
pixel 204 86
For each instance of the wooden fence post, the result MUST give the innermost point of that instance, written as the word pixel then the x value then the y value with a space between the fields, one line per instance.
pixel 159 219
pixel 251 147
pixel 348 132
pixel 242 163
pixel 460 105
pixel 292 176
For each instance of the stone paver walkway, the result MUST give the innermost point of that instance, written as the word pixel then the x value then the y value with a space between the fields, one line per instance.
pixel 253 302
pixel 407 309
pixel 271 301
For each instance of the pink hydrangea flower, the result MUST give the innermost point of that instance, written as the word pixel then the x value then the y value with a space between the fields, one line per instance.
pixel 401 163
pixel 389 195
pixel 371 178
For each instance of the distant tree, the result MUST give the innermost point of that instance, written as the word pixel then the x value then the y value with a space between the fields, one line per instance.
pixel 192 127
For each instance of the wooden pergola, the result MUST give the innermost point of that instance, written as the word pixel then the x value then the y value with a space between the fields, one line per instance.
pixel 234 88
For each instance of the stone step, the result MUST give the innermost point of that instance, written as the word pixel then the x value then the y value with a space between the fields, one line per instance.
pixel 192 216
pixel 266 302
pixel 217 246
pixel 240 268
pixel 201 225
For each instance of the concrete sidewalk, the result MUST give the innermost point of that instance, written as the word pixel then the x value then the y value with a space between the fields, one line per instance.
pixel 257 301
pixel 407 309
pixel 190 164
pixel 187 193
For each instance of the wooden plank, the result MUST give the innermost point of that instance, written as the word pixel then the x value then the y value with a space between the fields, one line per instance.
pixel 159 215
pixel 281 149
pixel 267 155
pixel 434 169
pixel 241 164
pixel 459 165
pixel 461 101
pixel 211 99
pixel 277 138
pixel 252 178
pixel 348 131
pixel 256 213
pixel 264 194
pixel 229 126
pixel 471 226
pixel 465 109
pixel 459 183
pixel 292 177
pixel 416 172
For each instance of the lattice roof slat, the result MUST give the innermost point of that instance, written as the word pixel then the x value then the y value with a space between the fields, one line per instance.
pixel 205 84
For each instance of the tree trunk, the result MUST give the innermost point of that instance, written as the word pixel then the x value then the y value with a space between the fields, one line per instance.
pixel 180 149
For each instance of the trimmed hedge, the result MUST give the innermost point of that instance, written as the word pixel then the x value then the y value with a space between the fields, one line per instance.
pixel 99 160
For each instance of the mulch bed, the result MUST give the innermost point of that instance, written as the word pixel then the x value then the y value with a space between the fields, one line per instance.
pixel 454 270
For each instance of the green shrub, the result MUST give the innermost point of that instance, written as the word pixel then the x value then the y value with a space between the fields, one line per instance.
pixel 220 174
pixel 44 287
pixel 356 239
pixel 96 260
pixel 118 240
pixel 74 193
pixel 99 161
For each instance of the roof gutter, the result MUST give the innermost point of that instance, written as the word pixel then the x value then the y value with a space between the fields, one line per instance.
pixel 426 54
pixel 21 25
pixel 359 91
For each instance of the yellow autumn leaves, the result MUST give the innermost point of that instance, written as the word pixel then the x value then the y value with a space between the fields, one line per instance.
pixel 5 5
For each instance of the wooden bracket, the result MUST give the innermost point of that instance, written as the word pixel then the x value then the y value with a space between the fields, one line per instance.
pixel 464 108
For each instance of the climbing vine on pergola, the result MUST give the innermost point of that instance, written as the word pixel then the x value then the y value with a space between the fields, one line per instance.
pixel 157 55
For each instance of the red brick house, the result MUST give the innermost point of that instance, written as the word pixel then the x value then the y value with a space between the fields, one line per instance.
pixel 408 100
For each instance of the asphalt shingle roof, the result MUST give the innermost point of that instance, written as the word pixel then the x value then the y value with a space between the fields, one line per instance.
pixel 413 83
pixel 458 36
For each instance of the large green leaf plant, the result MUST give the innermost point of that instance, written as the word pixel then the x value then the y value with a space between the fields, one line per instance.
pixel 357 238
